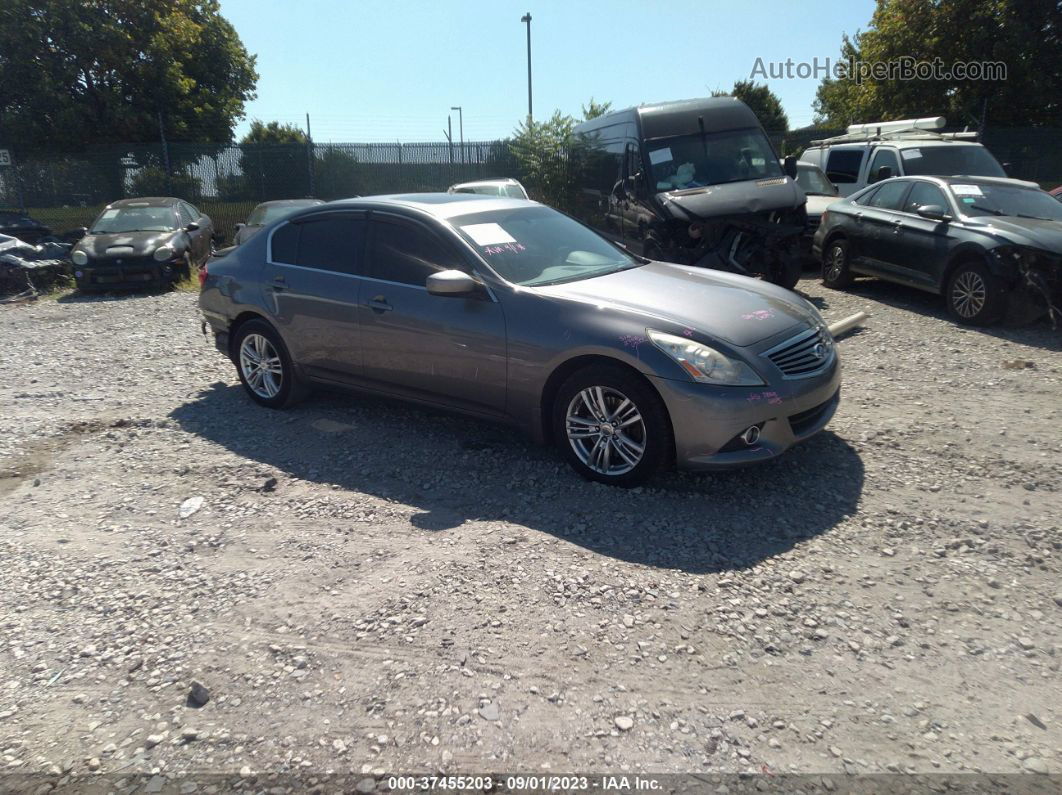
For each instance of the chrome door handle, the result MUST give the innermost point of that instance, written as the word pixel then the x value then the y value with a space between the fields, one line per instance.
pixel 379 304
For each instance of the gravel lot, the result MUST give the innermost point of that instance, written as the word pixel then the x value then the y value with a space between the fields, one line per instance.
pixel 368 587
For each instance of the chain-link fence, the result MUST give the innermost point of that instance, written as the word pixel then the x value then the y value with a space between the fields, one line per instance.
pixel 65 191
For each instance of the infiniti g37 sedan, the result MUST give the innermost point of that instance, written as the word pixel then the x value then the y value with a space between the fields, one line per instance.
pixel 510 311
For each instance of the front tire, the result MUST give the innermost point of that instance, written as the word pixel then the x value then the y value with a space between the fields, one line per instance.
pixel 974 295
pixel 786 273
pixel 611 426
pixel 264 366
pixel 836 273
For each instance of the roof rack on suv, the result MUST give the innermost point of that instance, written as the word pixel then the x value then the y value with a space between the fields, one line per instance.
pixel 903 129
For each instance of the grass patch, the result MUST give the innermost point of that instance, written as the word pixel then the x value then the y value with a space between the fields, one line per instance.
pixel 189 285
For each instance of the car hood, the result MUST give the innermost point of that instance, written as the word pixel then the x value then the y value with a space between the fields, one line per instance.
pixel 735 309
pixel 1035 232
pixel 127 244
pixel 817 204
pixel 732 198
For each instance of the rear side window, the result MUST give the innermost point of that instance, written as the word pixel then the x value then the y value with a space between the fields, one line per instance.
pixel 842 166
pixel 922 194
pixel 285 245
pixel 408 253
pixel 331 243
pixel 889 195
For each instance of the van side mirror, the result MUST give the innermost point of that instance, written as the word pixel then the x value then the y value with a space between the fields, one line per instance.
pixel 451 283
pixel 883 173
pixel 192 227
pixel 789 166
pixel 933 212
pixel 238 227
pixel 1008 169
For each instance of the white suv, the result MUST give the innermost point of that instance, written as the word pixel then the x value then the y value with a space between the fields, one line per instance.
pixel 869 153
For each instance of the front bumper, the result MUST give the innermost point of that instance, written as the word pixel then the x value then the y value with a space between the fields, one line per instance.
pixel 708 421
pixel 113 277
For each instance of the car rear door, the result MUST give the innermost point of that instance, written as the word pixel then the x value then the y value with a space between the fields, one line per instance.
pixel 443 349
pixel 310 282
pixel 882 225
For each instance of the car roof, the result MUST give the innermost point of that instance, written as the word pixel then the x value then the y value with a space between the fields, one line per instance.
pixel 474 183
pixel 145 201
pixel 440 205
pixel 905 143
pixel 290 202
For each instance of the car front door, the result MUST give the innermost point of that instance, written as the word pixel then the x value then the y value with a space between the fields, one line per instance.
pixel 921 247
pixel 311 284
pixel 449 350
pixel 882 225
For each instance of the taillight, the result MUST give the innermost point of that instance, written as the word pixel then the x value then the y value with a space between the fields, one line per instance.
pixel 202 274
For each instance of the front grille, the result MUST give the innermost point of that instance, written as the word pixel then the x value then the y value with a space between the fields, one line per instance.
pixel 803 355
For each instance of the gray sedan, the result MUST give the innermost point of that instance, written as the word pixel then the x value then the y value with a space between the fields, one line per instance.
pixel 510 311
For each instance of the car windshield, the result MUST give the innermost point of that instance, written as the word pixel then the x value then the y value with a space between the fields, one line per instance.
pixel 948 159
pixel 814 182
pixel 264 214
pixel 692 161
pixel 537 246
pixel 980 199
pixel 134 219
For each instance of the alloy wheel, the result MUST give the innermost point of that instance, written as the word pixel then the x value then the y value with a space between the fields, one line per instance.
pixel 969 294
pixel 836 263
pixel 261 366
pixel 606 430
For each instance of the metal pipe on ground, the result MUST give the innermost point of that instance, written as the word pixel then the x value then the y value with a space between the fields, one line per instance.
pixel 847 324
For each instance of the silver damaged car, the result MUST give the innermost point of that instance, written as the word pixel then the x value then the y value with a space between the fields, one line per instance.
pixel 510 311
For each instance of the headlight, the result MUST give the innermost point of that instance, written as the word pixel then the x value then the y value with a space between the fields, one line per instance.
pixel 163 253
pixel 704 364
pixel 79 257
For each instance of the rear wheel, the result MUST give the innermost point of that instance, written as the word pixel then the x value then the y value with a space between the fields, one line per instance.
pixel 611 426
pixel 835 271
pixel 974 295
pixel 264 366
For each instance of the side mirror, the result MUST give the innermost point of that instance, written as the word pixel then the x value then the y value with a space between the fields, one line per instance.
pixel 933 212
pixel 81 230
pixel 192 227
pixel 883 173
pixel 1008 169
pixel 451 283
pixel 238 227
pixel 789 166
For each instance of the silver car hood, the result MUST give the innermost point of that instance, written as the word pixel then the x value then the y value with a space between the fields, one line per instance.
pixel 736 309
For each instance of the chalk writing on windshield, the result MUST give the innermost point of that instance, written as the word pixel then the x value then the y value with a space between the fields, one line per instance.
pixel 513 248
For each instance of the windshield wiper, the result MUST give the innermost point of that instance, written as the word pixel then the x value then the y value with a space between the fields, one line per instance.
pixel 1034 217
pixel 986 209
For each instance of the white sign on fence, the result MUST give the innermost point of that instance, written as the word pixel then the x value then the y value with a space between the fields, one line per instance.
pixel 5 157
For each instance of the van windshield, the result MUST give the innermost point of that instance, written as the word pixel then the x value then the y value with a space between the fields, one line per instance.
pixel 693 161
pixel 971 160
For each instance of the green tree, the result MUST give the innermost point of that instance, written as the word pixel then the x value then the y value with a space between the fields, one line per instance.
pixel 595 109
pixel 273 163
pixel 273 132
pixel 74 74
pixel 762 101
pixel 336 173
pixel 541 148
pixel 1023 35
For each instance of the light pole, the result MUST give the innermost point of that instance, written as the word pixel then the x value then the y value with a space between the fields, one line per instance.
pixel 527 18
pixel 461 128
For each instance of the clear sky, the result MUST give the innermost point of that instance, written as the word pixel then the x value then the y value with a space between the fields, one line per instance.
pixel 391 70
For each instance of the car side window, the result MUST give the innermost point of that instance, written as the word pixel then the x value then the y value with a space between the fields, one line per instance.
pixel 842 165
pixel 330 243
pixel 193 213
pixel 890 195
pixel 183 216
pixel 883 157
pixel 284 247
pixel 408 253
pixel 923 193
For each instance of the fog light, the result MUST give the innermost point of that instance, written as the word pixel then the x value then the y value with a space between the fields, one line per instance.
pixel 751 435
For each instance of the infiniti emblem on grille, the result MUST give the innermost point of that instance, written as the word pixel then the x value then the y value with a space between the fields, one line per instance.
pixel 819 351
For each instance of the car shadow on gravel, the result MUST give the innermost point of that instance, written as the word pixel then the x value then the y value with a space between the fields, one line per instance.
pixel 1037 334
pixel 79 297
pixel 453 470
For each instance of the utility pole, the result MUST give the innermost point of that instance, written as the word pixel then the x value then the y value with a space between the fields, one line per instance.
pixel 527 18
pixel 309 155
pixel 449 133
pixel 461 126
pixel 165 153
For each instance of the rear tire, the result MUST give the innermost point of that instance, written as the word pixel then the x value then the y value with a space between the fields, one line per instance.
pixel 836 273
pixel 974 295
pixel 264 367
pixel 611 426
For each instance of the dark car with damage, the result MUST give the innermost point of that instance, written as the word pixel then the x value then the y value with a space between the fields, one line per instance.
pixel 14 223
pixel 144 242
pixel 695 182
pixel 989 245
